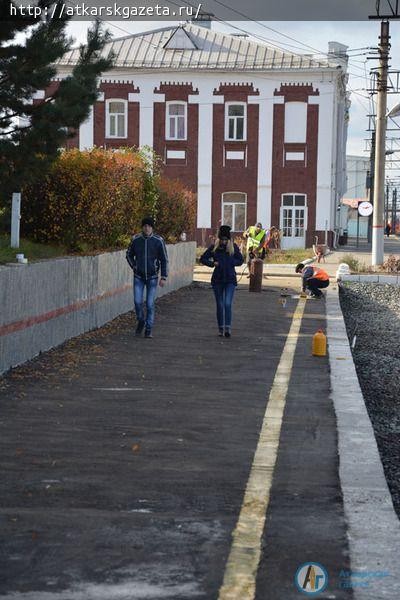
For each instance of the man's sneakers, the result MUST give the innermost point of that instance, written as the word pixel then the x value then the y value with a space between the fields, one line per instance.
pixel 139 328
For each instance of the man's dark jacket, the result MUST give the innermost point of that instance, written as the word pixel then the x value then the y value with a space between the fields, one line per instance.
pixel 146 255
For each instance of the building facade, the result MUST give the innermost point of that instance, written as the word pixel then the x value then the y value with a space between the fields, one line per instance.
pixel 357 170
pixel 257 133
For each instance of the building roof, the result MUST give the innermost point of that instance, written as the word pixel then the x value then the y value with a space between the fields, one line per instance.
pixel 190 46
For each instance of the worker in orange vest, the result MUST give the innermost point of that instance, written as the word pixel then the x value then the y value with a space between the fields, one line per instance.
pixel 314 279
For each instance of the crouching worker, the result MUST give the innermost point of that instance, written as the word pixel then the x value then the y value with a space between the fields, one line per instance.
pixel 147 255
pixel 224 256
pixel 314 279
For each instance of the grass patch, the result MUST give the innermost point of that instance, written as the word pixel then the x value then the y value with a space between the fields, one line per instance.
pixel 32 250
pixel 355 265
pixel 291 256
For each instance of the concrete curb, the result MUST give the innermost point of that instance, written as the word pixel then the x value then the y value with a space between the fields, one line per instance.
pixel 372 278
pixel 373 526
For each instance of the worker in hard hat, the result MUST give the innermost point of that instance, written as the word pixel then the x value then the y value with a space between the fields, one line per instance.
pixel 314 279
pixel 255 235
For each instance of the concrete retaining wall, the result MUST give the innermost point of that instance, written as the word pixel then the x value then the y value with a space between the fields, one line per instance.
pixel 45 303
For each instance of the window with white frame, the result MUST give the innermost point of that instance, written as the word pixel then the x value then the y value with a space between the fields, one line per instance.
pixel 234 207
pixel 235 121
pixel 293 200
pixel 176 121
pixel 116 118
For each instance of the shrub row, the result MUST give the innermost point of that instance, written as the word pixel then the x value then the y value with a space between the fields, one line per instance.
pixel 95 199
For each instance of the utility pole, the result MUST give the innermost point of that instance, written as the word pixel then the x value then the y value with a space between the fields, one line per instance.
pixel 371 183
pixel 394 210
pixel 380 148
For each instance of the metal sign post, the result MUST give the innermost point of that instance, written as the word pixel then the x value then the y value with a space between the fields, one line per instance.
pixel 365 209
pixel 15 219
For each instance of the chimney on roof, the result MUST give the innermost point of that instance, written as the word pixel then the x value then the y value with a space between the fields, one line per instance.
pixel 337 49
pixel 338 52
pixel 203 19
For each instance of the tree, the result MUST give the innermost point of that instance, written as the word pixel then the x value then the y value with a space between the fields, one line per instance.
pixel 31 133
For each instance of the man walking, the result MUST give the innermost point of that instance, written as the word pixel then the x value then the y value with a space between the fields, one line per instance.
pixel 147 255
pixel 314 278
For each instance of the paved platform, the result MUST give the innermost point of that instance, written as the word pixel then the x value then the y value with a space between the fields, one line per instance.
pixel 185 466
pixel 361 253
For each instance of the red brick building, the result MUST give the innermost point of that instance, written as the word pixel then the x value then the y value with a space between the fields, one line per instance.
pixel 259 134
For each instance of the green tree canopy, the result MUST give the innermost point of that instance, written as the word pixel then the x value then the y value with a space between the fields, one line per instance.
pixel 31 133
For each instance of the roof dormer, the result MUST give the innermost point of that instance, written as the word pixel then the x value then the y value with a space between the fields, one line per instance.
pixel 180 40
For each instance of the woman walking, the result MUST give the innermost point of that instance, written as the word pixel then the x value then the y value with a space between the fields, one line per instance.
pixel 224 256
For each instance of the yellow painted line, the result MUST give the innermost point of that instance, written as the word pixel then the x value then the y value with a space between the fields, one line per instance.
pixel 242 565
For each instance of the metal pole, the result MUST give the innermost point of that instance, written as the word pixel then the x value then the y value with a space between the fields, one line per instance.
pixel 386 219
pixel 380 149
pixel 395 210
pixel 358 226
pixel 15 219
pixel 371 184
pixel 393 197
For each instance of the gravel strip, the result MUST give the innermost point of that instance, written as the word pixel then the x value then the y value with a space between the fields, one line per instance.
pixel 372 316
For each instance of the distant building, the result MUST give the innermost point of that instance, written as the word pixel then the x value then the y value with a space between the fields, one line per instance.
pixel 257 132
pixel 357 170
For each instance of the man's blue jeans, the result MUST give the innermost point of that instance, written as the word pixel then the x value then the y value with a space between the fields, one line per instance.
pixel 224 297
pixel 138 292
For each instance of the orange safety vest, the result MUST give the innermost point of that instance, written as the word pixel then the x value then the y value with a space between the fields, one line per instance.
pixel 320 274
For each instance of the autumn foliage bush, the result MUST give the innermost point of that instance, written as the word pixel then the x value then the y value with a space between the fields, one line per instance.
pixel 95 199
pixel 174 209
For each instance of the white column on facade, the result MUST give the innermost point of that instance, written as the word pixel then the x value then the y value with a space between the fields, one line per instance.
pixel 86 132
pixel 146 98
pixel 265 139
pixel 206 101
pixel 325 158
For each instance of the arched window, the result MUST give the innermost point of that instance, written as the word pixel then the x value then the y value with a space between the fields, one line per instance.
pixel 116 118
pixel 176 121
pixel 234 209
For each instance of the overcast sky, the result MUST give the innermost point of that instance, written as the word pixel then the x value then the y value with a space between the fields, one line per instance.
pixel 316 34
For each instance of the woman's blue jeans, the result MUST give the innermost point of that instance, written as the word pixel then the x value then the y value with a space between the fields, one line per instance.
pixel 138 292
pixel 224 296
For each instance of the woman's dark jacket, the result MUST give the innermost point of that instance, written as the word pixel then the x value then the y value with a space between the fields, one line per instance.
pixel 225 271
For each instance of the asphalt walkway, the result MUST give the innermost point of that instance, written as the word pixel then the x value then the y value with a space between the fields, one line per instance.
pixel 185 466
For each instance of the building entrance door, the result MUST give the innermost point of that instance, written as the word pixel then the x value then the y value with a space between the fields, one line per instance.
pixel 293 221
